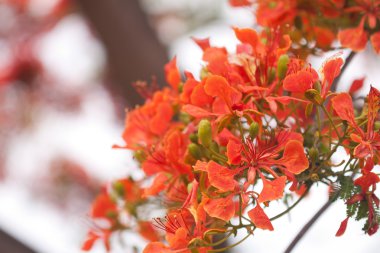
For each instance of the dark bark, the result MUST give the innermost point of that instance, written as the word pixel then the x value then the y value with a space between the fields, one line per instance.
pixel 133 50
pixel 11 245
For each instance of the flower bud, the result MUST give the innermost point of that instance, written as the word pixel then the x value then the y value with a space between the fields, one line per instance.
pixel 377 125
pixel 185 118
pixel 140 156
pixel 193 138
pixel 282 66
pixel 271 75
pixel 195 151
pixel 313 153
pixel 314 177
pixel 214 147
pixel 314 96
pixel 253 130
pixel 318 86
pixel 309 109
pixel 118 187
pixel 205 132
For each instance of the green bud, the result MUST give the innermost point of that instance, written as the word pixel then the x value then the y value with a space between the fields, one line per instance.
pixel 314 177
pixel 253 130
pixel 314 96
pixel 184 117
pixel 140 156
pixel 324 148
pixel 309 109
pixel 313 153
pixel 272 4
pixel 214 147
pixel 193 138
pixel 377 125
pixel 180 87
pixel 271 75
pixel 205 132
pixel 118 188
pixel 318 86
pixel 195 151
pixel 282 66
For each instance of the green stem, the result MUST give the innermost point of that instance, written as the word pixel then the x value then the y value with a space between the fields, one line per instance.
pixel 221 240
pixel 220 157
pixel 230 246
pixel 330 119
pixel 292 206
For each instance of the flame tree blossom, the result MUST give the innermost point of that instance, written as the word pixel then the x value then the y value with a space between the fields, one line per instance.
pixel 255 126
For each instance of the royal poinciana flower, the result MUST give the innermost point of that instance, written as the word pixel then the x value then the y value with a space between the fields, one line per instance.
pixel 256 125
pixel 356 38
pixel 368 141
pixel 319 22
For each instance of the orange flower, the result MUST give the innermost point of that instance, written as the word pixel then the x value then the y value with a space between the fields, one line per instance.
pixel 169 155
pixel 368 142
pixel 103 207
pixel 353 38
pixel 173 77
pixel 240 3
pixel 275 13
pixel 272 190
pixel 375 40
pixel 221 208
pixel 146 123
pixel 259 218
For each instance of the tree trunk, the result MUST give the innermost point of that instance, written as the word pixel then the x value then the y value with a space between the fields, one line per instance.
pixel 133 50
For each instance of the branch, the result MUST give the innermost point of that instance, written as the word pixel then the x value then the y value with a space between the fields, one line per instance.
pixel 308 226
pixel 133 50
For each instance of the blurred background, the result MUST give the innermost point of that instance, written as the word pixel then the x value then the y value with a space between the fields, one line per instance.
pixel 66 69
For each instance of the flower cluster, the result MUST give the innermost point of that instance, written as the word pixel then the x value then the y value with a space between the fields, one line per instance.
pixel 315 25
pixel 258 123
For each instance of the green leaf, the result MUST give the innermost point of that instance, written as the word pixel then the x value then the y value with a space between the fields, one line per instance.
pixel 352 209
pixel 362 210
pixel 346 187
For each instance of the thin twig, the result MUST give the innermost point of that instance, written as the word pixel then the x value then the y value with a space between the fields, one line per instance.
pixel 337 79
pixel 308 226
pixel 311 222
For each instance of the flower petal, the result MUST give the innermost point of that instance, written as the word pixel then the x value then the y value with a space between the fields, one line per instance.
pixel 260 219
pixel 221 177
pixel 222 208
pixel 375 41
pixel 272 190
pixel 173 77
pixel 299 82
pixel 234 152
pixel 342 227
pixel 294 158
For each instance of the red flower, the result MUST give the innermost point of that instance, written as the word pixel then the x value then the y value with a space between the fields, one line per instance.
pixel 356 38
pixel 369 141
pixel 259 218
pixel 146 123
pixel 353 38
pixel 275 13
pixel 221 208
pixel 173 77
